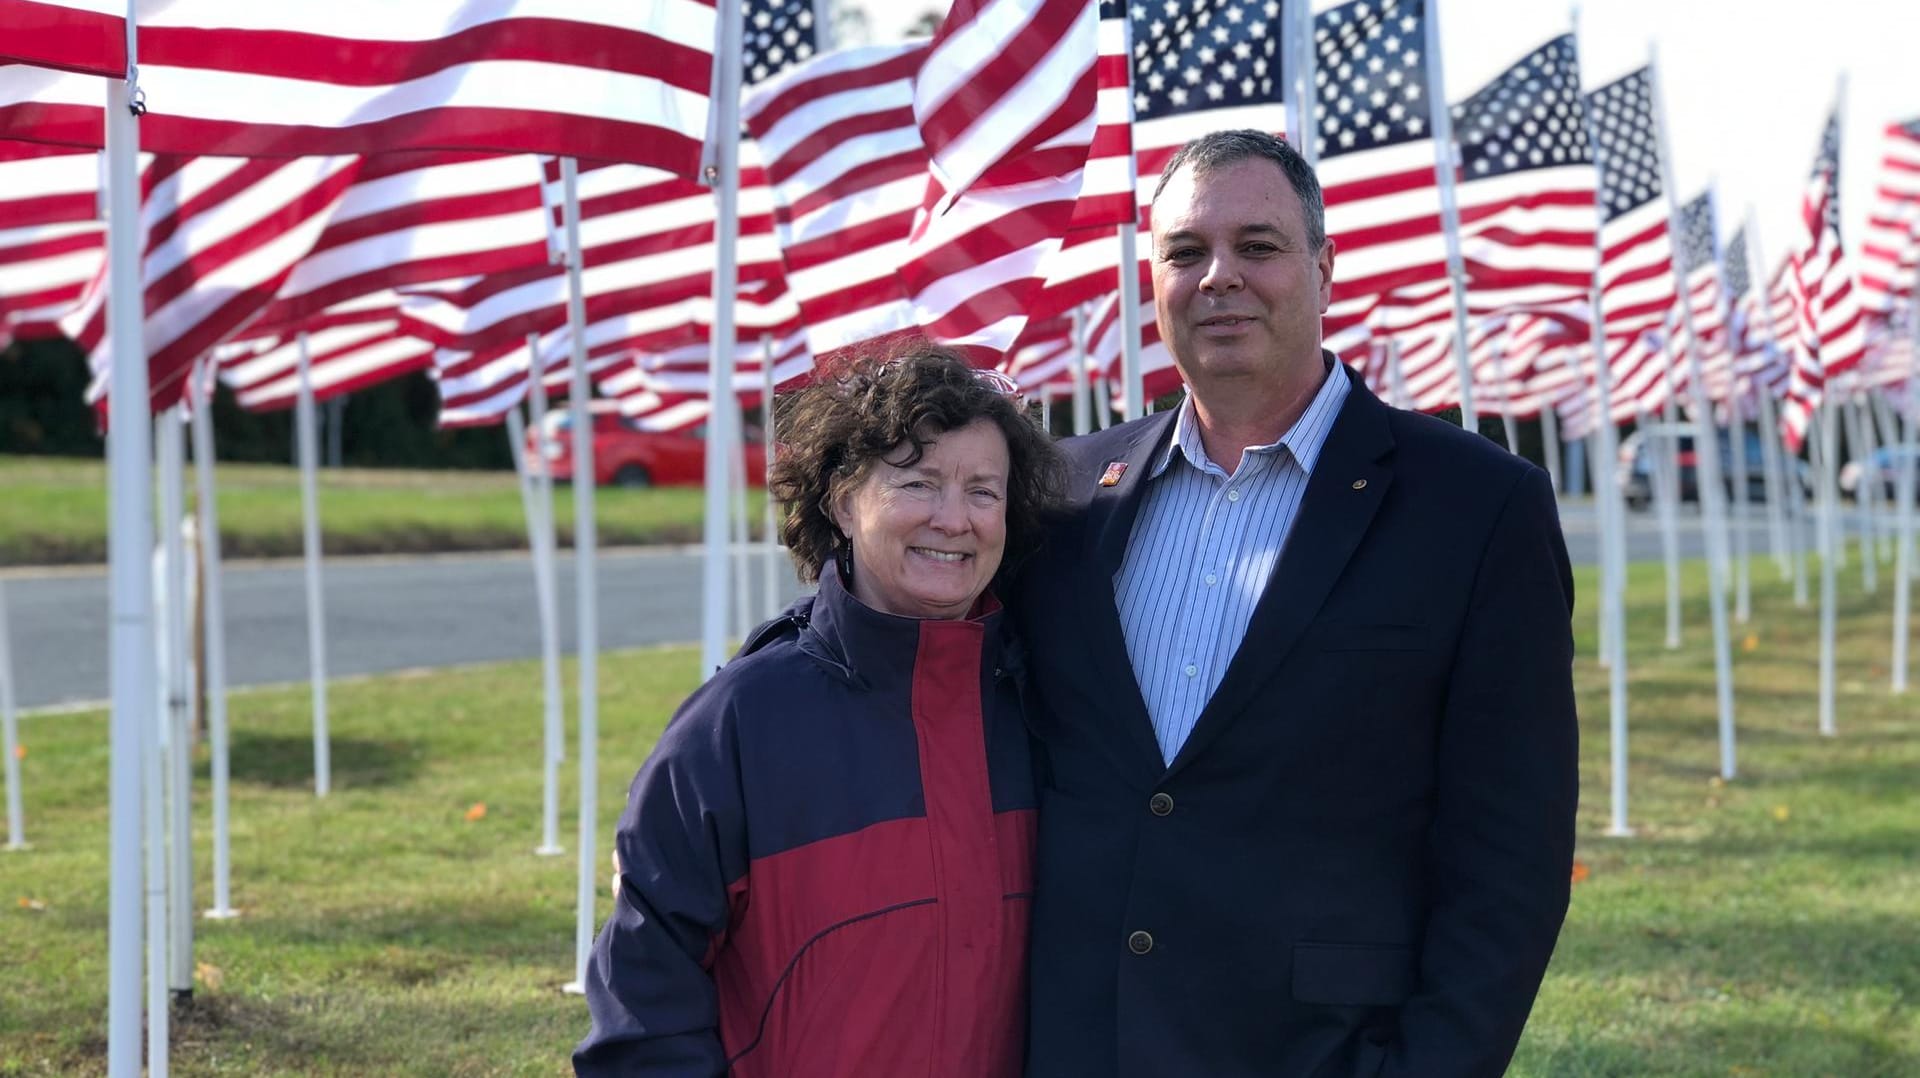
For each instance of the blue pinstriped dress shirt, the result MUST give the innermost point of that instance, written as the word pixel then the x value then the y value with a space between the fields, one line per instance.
pixel 1202 550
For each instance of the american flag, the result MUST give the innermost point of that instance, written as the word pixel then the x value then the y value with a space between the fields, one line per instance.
pixel 848 173
pixel 1376 152
pixel 52 244
pixel 413 218
pixel 1754 370
pixel 1637 284
pixel 264 373
pixel 1177 71
pixel 84 36
pixel 1891 251
pixel 1004 104
pixel 1527 222
pixel 646 256
pixel 1831 337
pixel 618 82
pixel 1699 259
pixel 220 236
pixel 776 35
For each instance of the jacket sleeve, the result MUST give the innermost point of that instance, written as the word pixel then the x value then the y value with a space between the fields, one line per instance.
pixel 682 850
pixel 1500 848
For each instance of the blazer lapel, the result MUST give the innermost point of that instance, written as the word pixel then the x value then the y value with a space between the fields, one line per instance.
pixel 1110 517
pixel 1349 481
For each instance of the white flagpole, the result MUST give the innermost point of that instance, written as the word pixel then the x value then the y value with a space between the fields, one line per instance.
pixel 1446 158
pixel 1550 445
pixel 1903 550
pixel 200 390
pixel 1077 370
pixel 130 569
pixel 1706 448
pixel 1396 375
pixel 1301 58
pixel 1737 448
pixel 586 591
pixel 771 603
pixel 1102 402
pixel 1132 378
pixel 1613 592
pixel 546 594
pixel 155 767
pixel 530 506
pixel 1603 522
pixel 1663 449
pixel 316 610
pixel 723 173
pixel 1860 442
pixel 1798 515
pixel 741 558
pixel 171 460
pixel 1773 472
pixel 1829 446
pixel 1613 555
pixel 16 822
pixel 1507 424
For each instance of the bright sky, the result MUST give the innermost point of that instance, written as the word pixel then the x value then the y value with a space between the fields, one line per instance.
pixel 1747 83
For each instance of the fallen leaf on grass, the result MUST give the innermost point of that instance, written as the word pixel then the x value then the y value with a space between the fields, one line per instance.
pixel 1716 782
pixel 1781 812
pixel 1751 643
pixel 208 974
pixel 1581 871
pixel 19 752
pixel 477 812
pixel 33 904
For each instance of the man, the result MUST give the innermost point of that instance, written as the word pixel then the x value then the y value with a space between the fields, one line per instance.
pixel 1301 668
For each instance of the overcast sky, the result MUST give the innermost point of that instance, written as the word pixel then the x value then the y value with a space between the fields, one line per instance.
pixel 1747 82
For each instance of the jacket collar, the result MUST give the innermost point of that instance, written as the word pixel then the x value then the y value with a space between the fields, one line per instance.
pixel 873 650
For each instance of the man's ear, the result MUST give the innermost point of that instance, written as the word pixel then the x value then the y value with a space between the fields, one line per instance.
pixel 1324 263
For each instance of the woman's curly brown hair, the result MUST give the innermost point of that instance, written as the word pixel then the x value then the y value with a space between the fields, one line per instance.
pixel 835 430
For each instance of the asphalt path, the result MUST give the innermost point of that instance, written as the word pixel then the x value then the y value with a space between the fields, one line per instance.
pixel 387 614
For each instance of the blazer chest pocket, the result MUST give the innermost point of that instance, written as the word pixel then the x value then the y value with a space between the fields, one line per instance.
pixel 1352 974
pixel 1371 636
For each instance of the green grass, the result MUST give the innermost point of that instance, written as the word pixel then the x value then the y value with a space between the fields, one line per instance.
pixel 1770 926
pixel 54 511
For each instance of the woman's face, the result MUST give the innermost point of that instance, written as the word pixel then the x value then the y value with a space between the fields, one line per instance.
pixel 927 538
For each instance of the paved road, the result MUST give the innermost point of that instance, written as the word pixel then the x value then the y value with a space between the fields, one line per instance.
pixel 387 614
pixel 383 614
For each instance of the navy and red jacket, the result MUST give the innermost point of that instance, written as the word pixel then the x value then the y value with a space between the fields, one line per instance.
pixel 826 864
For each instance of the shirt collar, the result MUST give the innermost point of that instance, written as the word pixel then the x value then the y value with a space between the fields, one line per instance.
pixel 1304 439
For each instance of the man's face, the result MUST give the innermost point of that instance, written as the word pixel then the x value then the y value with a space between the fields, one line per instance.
pixel 1237 291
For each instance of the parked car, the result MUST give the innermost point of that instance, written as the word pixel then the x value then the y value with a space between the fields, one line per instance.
pixel 1636 469
pixel 624 455
pixel 1885 464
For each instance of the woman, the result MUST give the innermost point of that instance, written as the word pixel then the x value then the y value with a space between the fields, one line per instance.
pixel 826 861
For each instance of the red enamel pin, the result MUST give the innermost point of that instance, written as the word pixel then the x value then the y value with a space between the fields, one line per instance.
pixel 1111 477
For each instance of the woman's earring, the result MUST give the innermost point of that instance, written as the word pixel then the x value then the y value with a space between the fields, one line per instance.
pixel 843 560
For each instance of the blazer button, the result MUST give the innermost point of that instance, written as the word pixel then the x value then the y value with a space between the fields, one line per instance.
pixel 1160 804
pixel 1140 943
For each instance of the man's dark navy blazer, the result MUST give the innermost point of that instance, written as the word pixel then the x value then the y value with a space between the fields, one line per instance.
pixel 1359 861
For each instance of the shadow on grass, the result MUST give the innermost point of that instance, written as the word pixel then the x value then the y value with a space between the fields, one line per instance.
pixel 340 1031
pixel 283 760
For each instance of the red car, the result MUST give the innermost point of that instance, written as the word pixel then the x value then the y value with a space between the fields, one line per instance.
pixel 626 456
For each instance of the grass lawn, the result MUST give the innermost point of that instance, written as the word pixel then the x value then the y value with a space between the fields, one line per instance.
pixel 1770 926
pixel 55 511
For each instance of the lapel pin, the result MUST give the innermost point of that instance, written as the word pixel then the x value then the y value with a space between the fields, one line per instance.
pixel 1111 477
pixel 1359 484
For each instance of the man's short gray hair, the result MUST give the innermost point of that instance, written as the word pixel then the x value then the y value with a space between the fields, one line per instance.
pixel 1210 151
